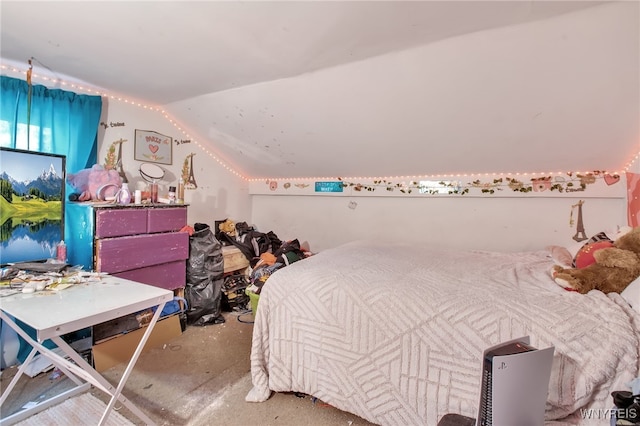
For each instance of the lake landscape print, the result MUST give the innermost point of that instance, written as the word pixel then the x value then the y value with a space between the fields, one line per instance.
pixel 32 192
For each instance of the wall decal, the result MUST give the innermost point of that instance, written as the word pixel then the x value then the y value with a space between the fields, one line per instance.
pixel 112 124
pixel 572 183
pixel 153 147
pixel 611 179
pixel 187 173
pixel 580 234
pixel 113 161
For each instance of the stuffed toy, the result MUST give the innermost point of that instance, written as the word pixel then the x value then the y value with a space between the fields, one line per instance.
pixel 614 267
pixel 228 227
pixel 95 183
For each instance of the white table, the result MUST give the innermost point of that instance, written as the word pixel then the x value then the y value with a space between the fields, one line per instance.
pixel 53 314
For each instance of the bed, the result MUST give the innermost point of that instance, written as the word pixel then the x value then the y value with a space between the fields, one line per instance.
pixel 394 332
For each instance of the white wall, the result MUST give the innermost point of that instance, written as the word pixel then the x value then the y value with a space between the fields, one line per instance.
pixel 504 222
pixel 220 193
pixel 477 222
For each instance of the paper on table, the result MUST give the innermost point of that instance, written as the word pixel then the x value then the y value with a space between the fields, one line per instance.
pixel 59 286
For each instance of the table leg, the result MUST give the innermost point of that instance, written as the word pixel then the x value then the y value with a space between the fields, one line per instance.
pixel 56 359
pixel 80 369
pixel 130 366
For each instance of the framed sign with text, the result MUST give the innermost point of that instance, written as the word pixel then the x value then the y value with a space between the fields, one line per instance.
pixel 153 147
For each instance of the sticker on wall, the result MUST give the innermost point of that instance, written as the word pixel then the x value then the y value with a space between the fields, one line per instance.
pixel 187 173
pixel 113 161
pixel 112 124
pixel 580 234
pixel 541 184
pixel 572 182
pixel 611 179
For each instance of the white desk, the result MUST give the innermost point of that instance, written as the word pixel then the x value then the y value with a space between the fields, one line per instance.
pixel 53 314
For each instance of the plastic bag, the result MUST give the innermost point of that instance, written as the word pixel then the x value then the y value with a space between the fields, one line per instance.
pixel 205 268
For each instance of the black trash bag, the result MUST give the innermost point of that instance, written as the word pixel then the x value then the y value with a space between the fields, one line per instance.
pixel 205 269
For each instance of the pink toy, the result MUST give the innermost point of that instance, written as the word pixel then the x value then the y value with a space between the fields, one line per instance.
pixel 88 182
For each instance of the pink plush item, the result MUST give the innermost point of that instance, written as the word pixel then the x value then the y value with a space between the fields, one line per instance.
pixel 561 256
pixel 88 181
pixel 585 257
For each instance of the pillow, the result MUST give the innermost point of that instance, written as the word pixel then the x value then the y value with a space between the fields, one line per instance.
pixel 600 236
pixel 632 294
pixel 561 256
pixel 584 257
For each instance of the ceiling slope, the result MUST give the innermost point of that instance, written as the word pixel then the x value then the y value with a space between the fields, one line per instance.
pixel 302 89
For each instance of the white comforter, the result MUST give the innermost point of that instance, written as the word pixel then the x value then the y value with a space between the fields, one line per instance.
pixel 395 333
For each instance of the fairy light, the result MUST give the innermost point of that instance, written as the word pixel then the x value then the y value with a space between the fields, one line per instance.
pixel 173 122
pixel 82 88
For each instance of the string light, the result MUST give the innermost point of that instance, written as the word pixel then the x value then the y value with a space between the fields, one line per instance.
pixel 84 89
pixel 439 176
pixel 166 115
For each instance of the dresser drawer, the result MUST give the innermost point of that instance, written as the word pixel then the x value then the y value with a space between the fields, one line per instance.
pixel 119 222
pixel 170 276
pixel 166 219
pixel 126 253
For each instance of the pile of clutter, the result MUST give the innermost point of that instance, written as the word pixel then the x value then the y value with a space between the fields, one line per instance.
pixel 15 280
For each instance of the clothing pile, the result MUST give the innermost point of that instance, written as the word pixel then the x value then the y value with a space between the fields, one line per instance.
pixel 265 252
pixel 268 263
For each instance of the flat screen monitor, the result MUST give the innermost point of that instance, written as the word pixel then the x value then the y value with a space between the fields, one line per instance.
pixel 32 197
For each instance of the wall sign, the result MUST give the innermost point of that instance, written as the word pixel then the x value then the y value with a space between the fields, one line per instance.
pixel 153 147
pixel 329 187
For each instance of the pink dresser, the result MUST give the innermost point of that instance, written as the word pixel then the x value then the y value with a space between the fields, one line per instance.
pixel 143 244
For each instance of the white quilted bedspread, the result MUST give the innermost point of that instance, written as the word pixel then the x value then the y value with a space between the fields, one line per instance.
pixel 395 333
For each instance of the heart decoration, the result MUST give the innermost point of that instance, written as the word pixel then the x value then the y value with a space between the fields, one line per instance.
pixel 153 148
pixel 611 179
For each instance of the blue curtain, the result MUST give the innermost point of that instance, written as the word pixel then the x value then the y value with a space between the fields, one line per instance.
pixel 54 121
pixel 59 122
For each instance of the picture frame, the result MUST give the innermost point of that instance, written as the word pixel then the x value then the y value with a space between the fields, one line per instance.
pixel 153 147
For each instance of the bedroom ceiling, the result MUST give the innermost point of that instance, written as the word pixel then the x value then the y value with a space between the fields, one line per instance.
pixel 382 88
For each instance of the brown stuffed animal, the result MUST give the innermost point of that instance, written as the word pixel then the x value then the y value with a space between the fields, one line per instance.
pixel 614 268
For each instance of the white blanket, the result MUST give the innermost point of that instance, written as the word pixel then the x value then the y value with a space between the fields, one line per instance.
pixel 395 333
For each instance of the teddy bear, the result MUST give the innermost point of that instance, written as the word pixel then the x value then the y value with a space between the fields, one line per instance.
pixel 614 267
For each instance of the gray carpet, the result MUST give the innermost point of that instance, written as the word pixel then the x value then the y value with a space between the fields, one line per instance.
pixel 197 379
pixel 80 410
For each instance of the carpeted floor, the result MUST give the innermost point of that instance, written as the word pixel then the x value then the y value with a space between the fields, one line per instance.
pixel 199 378
pixel 78 410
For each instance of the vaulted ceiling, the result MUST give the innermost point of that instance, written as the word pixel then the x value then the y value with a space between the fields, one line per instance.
pixel 359 88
